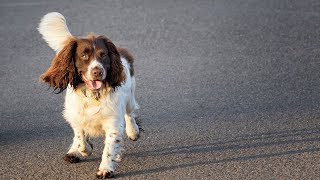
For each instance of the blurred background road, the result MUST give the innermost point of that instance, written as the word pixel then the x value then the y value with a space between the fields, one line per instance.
pixel 228 89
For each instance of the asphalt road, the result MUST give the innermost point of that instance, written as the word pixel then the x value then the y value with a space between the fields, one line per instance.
pixel 227 89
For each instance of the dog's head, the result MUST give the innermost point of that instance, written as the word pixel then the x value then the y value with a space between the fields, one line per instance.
pixel 93 60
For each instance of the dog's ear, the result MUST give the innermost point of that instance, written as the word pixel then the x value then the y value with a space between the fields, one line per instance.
pixel 63 70
pixel 115 75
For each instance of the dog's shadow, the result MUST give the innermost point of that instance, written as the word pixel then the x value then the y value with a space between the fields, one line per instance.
pixel 235 146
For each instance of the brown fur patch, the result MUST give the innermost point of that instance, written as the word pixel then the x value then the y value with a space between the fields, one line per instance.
pixel 63 70
pixel 115 76
pixel 126 54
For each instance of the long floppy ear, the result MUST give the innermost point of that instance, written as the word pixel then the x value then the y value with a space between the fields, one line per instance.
pixel 115 75
pixel 63 70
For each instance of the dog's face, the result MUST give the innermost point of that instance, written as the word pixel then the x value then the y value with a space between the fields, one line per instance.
pixel 94 61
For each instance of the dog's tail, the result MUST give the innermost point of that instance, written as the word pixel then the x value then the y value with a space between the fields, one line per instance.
pixel 54 30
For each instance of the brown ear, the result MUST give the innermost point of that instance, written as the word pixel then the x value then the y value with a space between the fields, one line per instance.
pixel 115 75
pixel 62 70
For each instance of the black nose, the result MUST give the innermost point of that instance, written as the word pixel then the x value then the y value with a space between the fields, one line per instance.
pixel 96 72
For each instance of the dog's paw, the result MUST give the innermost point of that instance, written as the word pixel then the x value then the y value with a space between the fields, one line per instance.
pixel 103 174
pixel 134 137
pixel 133 132
pixel 71 158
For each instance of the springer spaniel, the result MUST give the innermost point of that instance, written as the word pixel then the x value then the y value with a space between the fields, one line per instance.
pixel 100 84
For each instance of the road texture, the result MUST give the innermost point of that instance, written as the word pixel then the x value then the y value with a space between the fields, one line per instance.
pixel 228 89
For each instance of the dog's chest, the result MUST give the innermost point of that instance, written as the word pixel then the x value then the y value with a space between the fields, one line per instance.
pixel 92 107
pixel 90 111
pixel 93 115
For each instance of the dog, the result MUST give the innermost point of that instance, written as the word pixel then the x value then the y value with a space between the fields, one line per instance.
pixel 99 81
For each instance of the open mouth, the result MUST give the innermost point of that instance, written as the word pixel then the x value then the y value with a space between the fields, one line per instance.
pixel 93 85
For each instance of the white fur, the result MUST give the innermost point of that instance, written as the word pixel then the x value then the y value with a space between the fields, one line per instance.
pixel 92 65
pixel 110 115
pixel 54 30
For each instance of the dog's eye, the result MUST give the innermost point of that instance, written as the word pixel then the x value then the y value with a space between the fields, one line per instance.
pixel 103 55
pixel 84 57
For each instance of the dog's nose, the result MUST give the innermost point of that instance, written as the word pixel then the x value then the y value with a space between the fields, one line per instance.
pixel 96 72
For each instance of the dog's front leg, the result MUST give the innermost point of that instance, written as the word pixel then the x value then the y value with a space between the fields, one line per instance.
pixel 80 145
pixel 112 151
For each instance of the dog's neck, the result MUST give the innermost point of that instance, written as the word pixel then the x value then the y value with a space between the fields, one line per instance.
pixel 96 95
pixel 87 93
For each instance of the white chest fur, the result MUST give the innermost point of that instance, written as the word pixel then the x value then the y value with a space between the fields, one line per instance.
pixel 84 110
pixel 88 110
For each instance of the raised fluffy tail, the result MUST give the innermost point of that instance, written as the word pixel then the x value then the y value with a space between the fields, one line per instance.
pixel 54 30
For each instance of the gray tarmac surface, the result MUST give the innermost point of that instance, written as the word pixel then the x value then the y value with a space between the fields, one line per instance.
pixel 227 89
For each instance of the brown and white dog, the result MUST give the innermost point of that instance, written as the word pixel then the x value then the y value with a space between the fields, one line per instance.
pixel 100 84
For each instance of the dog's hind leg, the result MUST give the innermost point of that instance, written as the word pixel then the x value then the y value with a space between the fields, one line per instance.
pixel 132 129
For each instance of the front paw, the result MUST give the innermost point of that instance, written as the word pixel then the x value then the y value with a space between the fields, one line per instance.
pixel 71 158
pixel 103 174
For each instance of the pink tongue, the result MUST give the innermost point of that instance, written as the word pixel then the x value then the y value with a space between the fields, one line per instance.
pixel 95 85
